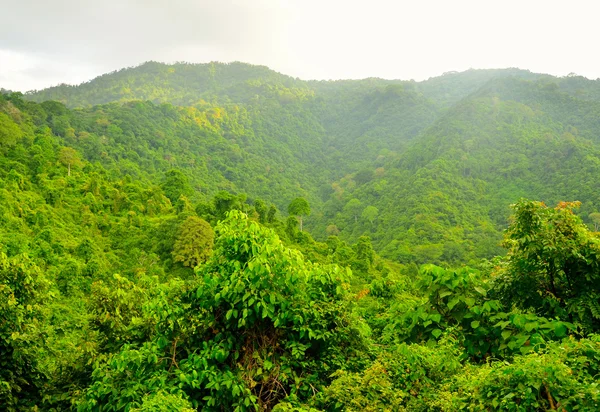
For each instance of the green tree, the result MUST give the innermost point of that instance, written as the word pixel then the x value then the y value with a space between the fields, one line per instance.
pixel 10 132
pixel 363 176
pixel 162 401
pixel 332 230
pixel 299 207
pixel 194 242
pixel 553 263
pixel 353 208
pixel 22 289
pixel 261 208
pixel 595 218
pixel 364 249
pixel 272 320
pixel 370 213
pixel 70 158
pixel 224 202
pixel 271 214
pixel 365 255
pixel 175 184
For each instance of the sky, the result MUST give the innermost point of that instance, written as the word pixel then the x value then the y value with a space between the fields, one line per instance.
pixel 48 42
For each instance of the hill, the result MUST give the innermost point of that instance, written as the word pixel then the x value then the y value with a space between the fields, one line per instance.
pixel 431 165
pixel 449 191
pixel 182 84
pixel 147 261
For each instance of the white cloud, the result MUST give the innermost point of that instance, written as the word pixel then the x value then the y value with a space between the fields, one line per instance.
pixel 27 71
pixel 47 42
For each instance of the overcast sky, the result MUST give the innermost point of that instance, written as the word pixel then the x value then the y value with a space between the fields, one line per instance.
pixel 47 42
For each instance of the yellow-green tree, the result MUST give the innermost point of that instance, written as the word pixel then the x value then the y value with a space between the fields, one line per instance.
pixel 69 157
pixel 10 132
pixel 194 242
pixel 595 218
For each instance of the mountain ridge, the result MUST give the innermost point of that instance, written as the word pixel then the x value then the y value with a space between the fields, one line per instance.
pixel 61 91
pixel 353 145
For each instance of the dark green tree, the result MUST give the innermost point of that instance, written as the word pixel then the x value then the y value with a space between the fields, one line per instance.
pixel 23 288
pixel 261 208
pixel 175 184
pixel 224 202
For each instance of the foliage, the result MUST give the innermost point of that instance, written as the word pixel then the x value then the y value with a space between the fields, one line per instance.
pixel 123 381
pixel 457 300
pixel 299 207
pixel 439 160
pixel 22 288
pixel 164 402
pixel 553 264
pixel 114 297
pixel 558 379
pixel 117 313
pixel 272 325
pixel 70 158
pixel 194 242
pixel 405 377
pixel 371 390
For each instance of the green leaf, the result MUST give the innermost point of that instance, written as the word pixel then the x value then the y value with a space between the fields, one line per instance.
pixel 521 339
pixel 560 330
pixel 480 290
pixel 475 324
pixel 531 326
pixel 436 333
pixel 445 293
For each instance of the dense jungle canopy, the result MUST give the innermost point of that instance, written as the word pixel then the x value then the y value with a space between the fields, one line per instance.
pixel 224 237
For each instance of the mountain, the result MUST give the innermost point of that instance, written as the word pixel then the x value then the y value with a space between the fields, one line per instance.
pixel 223 237
pixel 426 169
pixel 181 84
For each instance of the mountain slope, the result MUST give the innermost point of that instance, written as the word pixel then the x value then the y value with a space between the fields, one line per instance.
pixel 447 195
pixel 427 169
pixel 181 84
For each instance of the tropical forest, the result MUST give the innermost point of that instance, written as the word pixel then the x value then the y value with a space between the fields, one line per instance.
pixel 224 237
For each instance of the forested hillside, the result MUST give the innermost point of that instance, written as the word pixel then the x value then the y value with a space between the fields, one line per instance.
pixel 224 237
pixel 426 169
pixel 450 190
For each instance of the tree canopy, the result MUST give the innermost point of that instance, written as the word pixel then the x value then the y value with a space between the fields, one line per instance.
pixel 299 207
pixel 145 264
